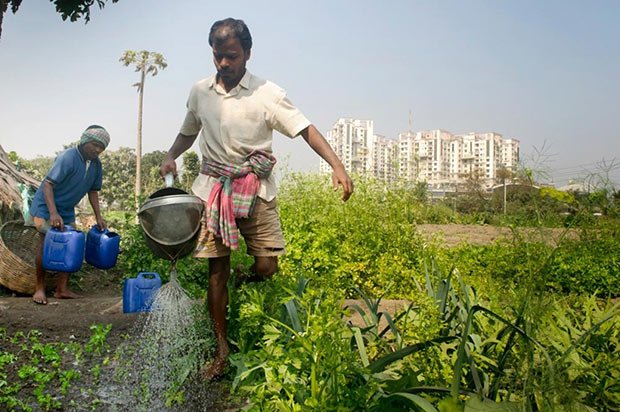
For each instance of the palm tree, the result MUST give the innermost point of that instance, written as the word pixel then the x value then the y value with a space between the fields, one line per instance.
pixel 145 62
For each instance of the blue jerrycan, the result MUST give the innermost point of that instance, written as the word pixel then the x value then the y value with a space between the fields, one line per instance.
pixel 139 292
pixel 102 247
pixel 63 251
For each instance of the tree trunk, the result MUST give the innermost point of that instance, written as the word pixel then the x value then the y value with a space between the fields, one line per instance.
pixel 139 142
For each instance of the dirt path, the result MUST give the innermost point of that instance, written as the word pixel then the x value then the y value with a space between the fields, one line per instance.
pixel 70 319
pixel 453 234
pixel 65 319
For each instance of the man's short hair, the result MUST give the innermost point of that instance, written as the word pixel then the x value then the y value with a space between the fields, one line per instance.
pixel 238 28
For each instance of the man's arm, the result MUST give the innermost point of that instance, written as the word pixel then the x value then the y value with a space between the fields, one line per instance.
pixel 48 196
pixel 180 145
pixel 93 198
pixel 317 142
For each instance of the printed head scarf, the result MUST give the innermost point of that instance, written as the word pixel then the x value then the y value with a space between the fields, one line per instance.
pixel 97 134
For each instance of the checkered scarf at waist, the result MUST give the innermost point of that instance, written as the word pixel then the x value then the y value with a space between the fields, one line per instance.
pixel 234 194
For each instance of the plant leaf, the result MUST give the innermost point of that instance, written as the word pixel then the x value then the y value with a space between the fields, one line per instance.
pixel 380 364
pixel 359 339
pixel 292 313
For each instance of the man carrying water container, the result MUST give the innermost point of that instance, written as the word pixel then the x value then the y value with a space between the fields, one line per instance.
pixel 75 172
pixel 235 113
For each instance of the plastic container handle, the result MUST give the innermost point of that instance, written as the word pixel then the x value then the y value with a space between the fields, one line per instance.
pixel 96 227
pixel 148 275
pixel 169 179
pixel 67 228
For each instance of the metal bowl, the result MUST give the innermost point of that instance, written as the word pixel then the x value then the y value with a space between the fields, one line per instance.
pixel 170 219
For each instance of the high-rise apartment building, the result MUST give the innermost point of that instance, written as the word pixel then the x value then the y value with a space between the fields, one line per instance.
pixel 425 157
pixel 439 158
pixel 384 164
pixel 353 142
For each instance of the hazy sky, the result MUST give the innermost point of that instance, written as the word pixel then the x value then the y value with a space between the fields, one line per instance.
pixel 544 72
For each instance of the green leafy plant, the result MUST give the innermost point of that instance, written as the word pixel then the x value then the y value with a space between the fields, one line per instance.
pixel 303 359
pixel 34 371
pixel 97 342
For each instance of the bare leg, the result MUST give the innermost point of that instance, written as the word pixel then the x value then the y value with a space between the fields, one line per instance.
pixel 62 288
pixel 39 291
pixel 217 299
pixel 264 268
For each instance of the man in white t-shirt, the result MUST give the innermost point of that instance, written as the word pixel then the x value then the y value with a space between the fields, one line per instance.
pixel 235 113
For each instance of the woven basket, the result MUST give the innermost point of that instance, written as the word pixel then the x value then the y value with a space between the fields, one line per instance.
pixel 18 245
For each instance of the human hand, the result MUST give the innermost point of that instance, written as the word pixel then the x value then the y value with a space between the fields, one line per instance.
pixel 341 178
pixel 101 225
pixel 168 166
pixel 56 221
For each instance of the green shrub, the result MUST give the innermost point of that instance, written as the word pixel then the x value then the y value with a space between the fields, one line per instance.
pixel 296 355
pixel 491 334
pixel 582 335
pixel 583 265
pixel 588 265
pixel 369 242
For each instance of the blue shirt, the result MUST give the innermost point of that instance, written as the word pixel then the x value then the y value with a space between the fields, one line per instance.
pixel 71 180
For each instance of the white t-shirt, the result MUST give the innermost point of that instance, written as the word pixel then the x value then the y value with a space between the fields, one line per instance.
pixel 232 125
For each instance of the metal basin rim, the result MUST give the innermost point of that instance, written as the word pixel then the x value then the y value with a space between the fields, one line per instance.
pixel 165 201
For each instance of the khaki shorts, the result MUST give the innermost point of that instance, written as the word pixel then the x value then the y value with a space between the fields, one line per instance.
pixel 261 232
pixel 41 224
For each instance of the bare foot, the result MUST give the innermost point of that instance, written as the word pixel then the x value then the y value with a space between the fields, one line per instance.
pixel 214 370
pixel 67 294
pixel 39 297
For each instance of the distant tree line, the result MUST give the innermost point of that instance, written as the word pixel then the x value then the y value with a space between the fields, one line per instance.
pixel 524 203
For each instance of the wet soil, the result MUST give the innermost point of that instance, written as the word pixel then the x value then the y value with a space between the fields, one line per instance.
pixel 68 321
